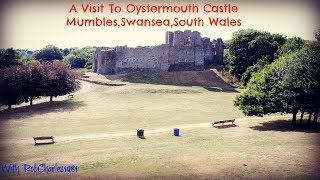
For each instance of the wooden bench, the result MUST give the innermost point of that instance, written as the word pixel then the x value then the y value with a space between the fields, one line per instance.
pixel 43 138
pixel 223 121
pixel 70 96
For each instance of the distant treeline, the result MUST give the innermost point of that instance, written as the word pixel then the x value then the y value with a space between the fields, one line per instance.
pixel 75 57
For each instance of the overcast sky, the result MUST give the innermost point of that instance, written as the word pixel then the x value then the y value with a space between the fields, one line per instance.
pixel 34 24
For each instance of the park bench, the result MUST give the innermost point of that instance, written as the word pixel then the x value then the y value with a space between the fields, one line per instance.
pixel 70 96
pixel 223 121
pixel 43 138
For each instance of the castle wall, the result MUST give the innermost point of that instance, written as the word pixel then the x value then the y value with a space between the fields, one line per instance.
pixel 145 59
pixel 187 51
pixel 106 61
pixel 94 60
pixel 183 51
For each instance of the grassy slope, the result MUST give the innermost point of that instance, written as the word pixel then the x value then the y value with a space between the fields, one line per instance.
pixel 241 152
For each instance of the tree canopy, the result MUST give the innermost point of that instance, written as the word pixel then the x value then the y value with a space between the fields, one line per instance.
pixel 288 85
pixel 49 54
pixel 248 47
pixel 9 57
pixel 80 57
pixel 22 83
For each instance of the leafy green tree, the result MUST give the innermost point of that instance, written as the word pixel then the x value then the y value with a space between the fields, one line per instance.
pixel 66 51
pixel 80 57
pixel 27 59
pixel 291 45
pixel 247 47
pixel 9 57
pixel 49 54
pixel 261 96
pixel 288 85
pixel 246 76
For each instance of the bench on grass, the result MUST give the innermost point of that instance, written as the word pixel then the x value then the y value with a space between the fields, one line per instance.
pixel 70 96
pixel 223 121
pixel 43 138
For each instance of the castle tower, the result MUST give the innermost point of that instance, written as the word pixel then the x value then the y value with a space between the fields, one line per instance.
pixel 218 48
pixel 208 50
pixel 169 38
pixel 186 53
pixel 106 61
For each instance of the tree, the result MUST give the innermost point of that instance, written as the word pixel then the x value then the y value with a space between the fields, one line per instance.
pixel 288 85
pixel 60 80
pixel 9 57
pixel 80 57
pixel 317 35
pixel 247 47
pixel 260 97
pixel 246 76
pixel 49 54
pixel 292 45
pixel 13 85
pixel 36 80
pixel 66 51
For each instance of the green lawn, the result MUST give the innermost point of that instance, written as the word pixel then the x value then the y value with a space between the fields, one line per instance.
pixel 96 131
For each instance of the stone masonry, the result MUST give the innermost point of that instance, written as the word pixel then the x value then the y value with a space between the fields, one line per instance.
pixel 183 51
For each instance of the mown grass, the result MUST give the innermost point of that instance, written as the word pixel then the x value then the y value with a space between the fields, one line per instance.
pixel 247 150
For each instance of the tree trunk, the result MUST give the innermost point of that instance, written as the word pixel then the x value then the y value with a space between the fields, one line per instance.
pixel 9 106
pixel 294 118
pixel 51 98
pixel 315 120
pixel 309 118
pixel 31 101
pixel 301 117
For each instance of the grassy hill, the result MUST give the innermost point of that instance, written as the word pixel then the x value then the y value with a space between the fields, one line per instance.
pixel 206 78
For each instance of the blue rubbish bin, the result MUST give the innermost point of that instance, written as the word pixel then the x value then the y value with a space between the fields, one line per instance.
pixel 176 131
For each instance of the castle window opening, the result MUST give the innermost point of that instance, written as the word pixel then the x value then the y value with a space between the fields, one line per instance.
pixel 188 41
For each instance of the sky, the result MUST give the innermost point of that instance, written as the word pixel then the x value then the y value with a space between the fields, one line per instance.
pixel 33 24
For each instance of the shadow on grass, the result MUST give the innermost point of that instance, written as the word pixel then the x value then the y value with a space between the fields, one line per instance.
pixel 102 83
pixel 40 109
pixel 285 126
pixel 225 126
pixel 218 89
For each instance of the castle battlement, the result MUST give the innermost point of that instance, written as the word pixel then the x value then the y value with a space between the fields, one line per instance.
pixel 182 51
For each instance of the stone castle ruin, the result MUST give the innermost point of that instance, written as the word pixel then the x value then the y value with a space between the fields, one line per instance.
pixel 183 51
